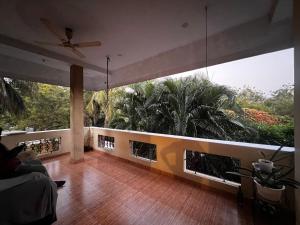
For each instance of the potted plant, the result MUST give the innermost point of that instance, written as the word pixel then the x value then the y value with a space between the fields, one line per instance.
pixel 270 179
pixel 267 165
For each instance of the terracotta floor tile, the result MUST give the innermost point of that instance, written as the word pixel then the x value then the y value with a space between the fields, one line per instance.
pixel 105 190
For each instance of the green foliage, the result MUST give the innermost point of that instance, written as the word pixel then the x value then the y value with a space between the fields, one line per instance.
pixel 251 98
pixel 193 107
pixel 282 134
pixel 281 105
pixel 24 88
pixel 101 110
pixel 282 101
pixel 10 99
pixel 47 107
pixel 132 108
pixel 190 107
pixel 7 120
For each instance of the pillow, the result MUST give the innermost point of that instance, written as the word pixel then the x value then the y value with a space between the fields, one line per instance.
pixel 27 155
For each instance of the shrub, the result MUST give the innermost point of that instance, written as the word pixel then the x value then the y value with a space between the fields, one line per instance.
pixel 261 117
pixel 281 134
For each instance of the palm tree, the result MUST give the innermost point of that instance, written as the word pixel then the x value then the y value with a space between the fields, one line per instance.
pixel 10 100
pixel 99 107
pixel 196 106
pixel 188 107
pixel 127 116
pixel 141 107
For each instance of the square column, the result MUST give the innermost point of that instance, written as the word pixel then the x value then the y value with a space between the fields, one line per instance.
pixel 297 102
pixel 76 113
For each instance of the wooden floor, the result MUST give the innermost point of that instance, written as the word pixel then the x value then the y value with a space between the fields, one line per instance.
pixel 105 190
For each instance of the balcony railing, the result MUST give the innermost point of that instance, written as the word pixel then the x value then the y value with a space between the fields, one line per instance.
pixel 106 142
pixel 167 153
pixel 142 150
pixel 212 166
pixel 43 143
pixel 172 153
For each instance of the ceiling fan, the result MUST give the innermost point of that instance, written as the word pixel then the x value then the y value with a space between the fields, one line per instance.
pixel 66 40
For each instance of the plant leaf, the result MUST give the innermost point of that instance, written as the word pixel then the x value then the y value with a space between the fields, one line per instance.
pixel 238 174
pixel 275 153
pixel 285 174
pixel 263 154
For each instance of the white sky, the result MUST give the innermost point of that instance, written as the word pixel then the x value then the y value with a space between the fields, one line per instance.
pixel 265 73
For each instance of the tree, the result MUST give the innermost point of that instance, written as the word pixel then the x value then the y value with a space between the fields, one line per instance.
pixel 251 98
pixel 10 99
pixel 189 107
pixel 282 101
pixel 196 108
pixel 48 108
pixel 127 116
pixel 101 110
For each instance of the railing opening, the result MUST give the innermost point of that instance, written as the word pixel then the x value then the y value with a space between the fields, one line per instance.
pixel 143 150
pixel 43 146
pixel 215 166
pixel 106 142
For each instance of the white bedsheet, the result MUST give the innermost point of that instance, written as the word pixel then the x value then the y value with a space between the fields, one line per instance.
pixel 27 198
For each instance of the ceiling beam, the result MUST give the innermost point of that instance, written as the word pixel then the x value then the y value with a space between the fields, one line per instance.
pixel 30 71
pixel 44 52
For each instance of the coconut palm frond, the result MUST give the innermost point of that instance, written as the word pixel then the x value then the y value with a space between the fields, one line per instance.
pixel 10 100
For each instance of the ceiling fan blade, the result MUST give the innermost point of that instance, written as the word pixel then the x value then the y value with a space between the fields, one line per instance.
pixel 48 43
pixel 78 53
pixel 87 44
pixel 53 29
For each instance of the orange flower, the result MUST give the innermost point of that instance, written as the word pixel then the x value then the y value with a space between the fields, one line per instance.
pixel 261 117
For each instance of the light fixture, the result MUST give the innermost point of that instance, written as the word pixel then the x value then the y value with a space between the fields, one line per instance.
pixel 185 25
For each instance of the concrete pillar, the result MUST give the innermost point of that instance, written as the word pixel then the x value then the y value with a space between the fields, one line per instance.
pixel 297 101
pixel 76 113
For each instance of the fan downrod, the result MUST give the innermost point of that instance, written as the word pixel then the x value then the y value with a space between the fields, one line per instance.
pixel 69 33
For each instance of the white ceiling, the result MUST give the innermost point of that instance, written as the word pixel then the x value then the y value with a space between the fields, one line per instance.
pixel 147 34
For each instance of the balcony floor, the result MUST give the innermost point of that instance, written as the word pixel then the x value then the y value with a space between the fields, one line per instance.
pixel 106 190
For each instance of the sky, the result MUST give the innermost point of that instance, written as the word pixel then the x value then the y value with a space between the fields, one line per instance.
pixel 265 73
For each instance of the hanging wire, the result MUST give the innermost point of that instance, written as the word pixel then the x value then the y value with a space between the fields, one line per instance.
pixel 107 87
pixel 206 41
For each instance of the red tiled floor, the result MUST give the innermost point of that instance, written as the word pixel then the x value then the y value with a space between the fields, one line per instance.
pixel 105 190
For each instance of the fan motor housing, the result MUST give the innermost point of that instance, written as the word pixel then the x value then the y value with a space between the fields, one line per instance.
pixel 69 33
